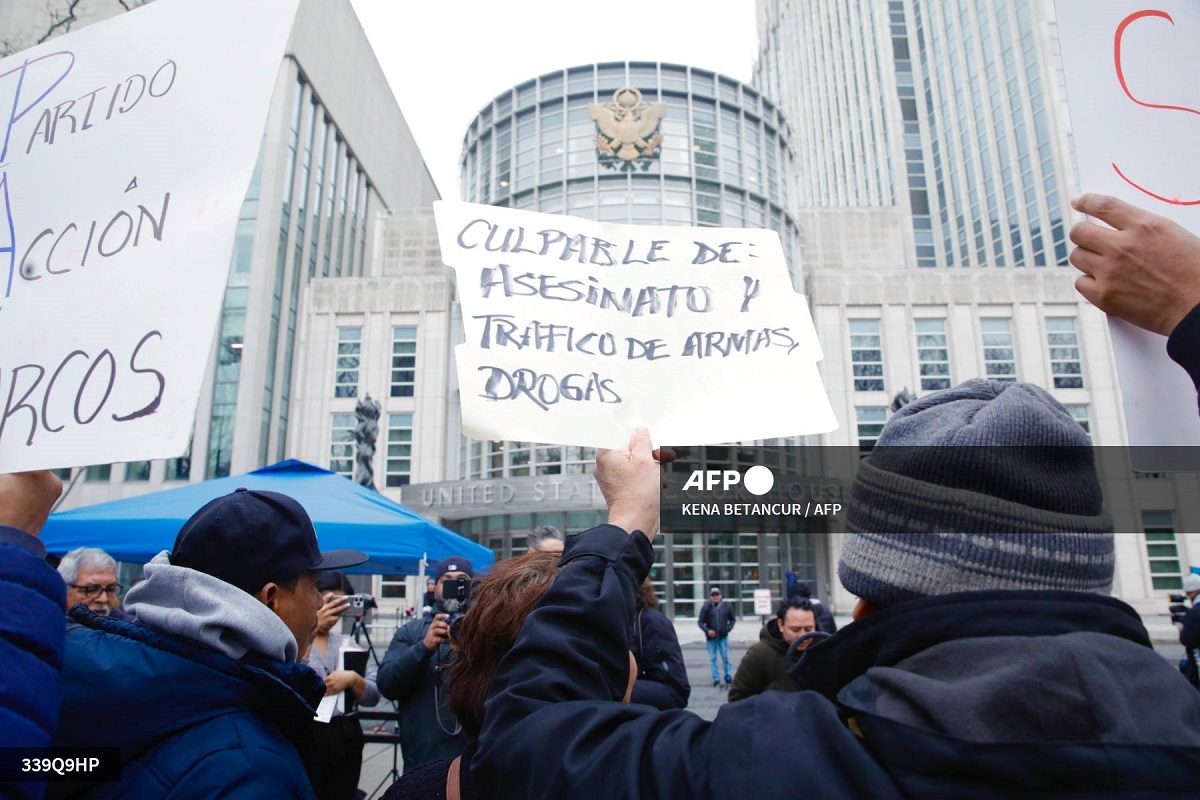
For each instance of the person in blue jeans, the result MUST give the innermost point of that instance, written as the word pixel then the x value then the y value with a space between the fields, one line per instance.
pixel 717 620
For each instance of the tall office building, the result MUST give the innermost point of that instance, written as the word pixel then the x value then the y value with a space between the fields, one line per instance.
pixel 336 151
pixel 933 134
pixel 946 109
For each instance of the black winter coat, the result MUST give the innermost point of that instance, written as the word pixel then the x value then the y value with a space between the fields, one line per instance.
pixel 662 679
pixel 718 617
pixel 419 679
pixel 1183 345
pixel 976 694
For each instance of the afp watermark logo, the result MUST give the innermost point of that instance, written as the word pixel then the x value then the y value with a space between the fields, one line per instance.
pixel 758 480
pixel 723 484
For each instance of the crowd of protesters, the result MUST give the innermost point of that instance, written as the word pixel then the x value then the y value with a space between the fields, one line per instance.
pixel 986 657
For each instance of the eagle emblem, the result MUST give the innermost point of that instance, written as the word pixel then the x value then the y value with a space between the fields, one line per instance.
pixel 627 126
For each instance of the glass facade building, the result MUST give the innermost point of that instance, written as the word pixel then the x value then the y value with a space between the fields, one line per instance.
pixel 724 160
pixel 942 107
pixel 326 199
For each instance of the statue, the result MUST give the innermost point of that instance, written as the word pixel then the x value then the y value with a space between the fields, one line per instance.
pixel 902 398
pixel 365 434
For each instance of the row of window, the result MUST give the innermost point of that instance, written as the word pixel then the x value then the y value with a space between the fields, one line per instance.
pixel 398 441
pixel 871 419
pixel 933 353
pixel 347 363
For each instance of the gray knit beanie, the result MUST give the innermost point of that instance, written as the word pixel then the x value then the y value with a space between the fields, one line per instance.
pixel 984 486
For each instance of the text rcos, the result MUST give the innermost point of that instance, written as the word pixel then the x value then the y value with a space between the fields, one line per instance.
pixel 75 391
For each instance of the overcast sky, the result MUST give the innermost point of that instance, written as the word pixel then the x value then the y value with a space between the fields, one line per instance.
pixel 445 60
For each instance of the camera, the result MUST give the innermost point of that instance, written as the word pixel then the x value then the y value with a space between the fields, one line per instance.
pixel 1178 607
pixel 456 595
pixel 358 604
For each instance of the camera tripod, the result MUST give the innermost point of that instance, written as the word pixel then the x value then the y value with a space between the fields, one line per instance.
pixel 377 737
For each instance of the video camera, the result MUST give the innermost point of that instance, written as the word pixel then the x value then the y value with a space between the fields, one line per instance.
pixel 1178 607
pixel 359 604
pixel 456 595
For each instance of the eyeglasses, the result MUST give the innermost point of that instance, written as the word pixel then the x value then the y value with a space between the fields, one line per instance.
pixel 91 591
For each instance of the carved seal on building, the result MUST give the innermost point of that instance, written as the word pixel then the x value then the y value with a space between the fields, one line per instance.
pixel 627 126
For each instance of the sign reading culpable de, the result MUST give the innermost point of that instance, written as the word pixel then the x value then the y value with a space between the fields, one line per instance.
pixel 125 152
pixel 578 332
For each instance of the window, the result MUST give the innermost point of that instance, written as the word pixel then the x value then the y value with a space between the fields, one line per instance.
pixel 137 471
pixel 870 425
pixel 349 348
pixel 98 473
pixel 394 586
pixel 341 449
pixel 179 469
pixel 404 361
pixel 933 354
pixel 999 355
pixel 399 450
pixel 1162 550
pixel 1080 414
pixel 866 355
pixel 1065 365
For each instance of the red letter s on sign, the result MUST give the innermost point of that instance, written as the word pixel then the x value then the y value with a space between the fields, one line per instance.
pixel 1125 23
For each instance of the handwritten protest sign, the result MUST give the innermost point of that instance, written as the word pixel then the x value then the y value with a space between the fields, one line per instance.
pixel 125 152
pixel 578 332
pixel 1133 88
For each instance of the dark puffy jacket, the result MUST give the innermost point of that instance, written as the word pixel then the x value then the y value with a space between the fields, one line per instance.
pixel 1183 345
pixel 662 679
pixel 764 666
pixel 190 722
pixel 977 694
pixel 718 617
pixel 410 674
pixel 32 599
pixel 1189 637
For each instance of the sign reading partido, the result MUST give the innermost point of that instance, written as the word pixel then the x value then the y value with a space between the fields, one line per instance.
pixel 125 152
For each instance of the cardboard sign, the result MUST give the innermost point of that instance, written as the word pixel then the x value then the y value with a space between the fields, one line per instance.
pixel 1133 88
pixel 578 332
pixel 126 149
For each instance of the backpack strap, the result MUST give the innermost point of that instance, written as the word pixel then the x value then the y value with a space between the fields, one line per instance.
pixel 453 783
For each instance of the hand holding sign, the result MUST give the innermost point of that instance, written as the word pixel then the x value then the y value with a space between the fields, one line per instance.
pixel 578 332
pixel 1131 70
pixel 1145 269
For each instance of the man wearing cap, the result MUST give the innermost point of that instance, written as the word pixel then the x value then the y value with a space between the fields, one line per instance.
pixel 201 689
pixel 717 620
pixel 987 657
pixel 1189 634
pixel 416 673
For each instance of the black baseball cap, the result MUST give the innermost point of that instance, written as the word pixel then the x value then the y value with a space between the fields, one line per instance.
pixel 453 564
pixel 249 538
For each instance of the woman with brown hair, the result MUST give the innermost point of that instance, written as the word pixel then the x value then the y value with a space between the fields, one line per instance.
pixel 499 604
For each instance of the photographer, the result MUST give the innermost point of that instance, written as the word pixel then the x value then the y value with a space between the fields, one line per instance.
pixel 335 760
pixel 416 671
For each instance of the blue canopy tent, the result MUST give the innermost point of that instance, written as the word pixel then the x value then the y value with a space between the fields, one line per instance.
pixel 345 515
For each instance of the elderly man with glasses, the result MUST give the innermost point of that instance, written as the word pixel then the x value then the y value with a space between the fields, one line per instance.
pixel 91 578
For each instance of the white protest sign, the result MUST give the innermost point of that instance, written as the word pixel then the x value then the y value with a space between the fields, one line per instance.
pixel 126 149
pixel 578 332
pixel 1133 88
pixel 762 602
